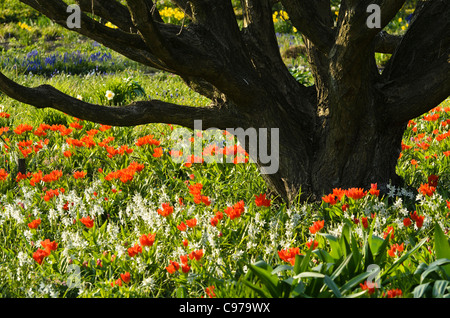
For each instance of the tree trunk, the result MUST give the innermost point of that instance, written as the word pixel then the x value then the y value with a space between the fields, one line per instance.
pixel 343 152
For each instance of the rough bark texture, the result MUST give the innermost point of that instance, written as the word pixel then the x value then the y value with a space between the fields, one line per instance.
pixel 345 131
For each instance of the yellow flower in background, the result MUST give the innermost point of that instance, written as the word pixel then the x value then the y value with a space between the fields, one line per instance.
pixel 176 13
pixel 400 20
pixel 25 26
pixel 110 25
pixel 284 15
pixel 179 15
pixel 277 15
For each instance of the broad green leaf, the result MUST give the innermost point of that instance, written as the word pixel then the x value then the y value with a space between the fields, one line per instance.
pixel 298 263
pixel 356 295
pixel 357 256
pixel 309 274
pixel 345 238
pixel 439 288
pixel 282 268
pixel 102 228
pixel 442 246
pixel 336 251
pixel 263 272
pixel 368 256
pixel 332 285
pixel 299 290
pixel 257 289
pixel 354 281
pixel 420 269
pixel 290 281
pixel 286 286
pixel 181 292
pixel 381 251
pixel 376 244
pixel 434 267
pixel 341 267
pixel 302 262
pixel 324 256
pixel 420 290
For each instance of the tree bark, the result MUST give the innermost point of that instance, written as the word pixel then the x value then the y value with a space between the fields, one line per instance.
pixel 340 152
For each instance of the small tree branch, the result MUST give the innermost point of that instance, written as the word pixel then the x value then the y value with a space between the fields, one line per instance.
pixel 218 18
pixel 384 43
pixel 109 10
pixel 352 21
pixel 136 113
pixel 205 50
pixel 387 43
pixel 408 98
pixel 143 21
pixel 183 5
pixel 156 16
pixel 313 19
pixel 115 12
pixel 259 29
pixel 198 53
pixel 352 55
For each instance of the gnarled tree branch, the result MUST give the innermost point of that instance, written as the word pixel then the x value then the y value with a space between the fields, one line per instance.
pixel 258 25
pixel 352 28
pixel 387 43
pixel 384 43
pixel 204 50
pixel 137 113
pixel 218 18
pixel 143 21
pixel 313 19
pixel 112 11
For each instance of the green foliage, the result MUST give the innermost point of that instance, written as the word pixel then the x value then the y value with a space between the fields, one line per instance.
pixel 442 247
pixel 302 75
pixel 54 117
pixel 434 282
pixel 339 274
pixel 15 11
pixel 124 90
pixel 240 256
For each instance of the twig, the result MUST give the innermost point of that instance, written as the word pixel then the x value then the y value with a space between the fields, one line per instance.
pixel 184 17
